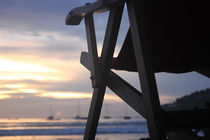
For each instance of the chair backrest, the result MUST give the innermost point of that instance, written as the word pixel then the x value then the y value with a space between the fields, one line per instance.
pixel 170 33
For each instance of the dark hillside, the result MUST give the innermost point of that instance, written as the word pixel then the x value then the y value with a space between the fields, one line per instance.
pixel 197 99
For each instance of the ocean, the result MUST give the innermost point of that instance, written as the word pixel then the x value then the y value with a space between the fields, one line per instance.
pixel 71 129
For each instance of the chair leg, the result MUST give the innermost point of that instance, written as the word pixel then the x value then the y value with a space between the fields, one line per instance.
pixel 94 113
pixel 105 64
pixel 97 100
pixel 147 79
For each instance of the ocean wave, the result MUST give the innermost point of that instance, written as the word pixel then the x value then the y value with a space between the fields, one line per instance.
pixel 70 128
pixel 68 124
pixel 71 131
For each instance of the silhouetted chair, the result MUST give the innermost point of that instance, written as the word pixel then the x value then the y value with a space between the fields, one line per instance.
pixel 164 36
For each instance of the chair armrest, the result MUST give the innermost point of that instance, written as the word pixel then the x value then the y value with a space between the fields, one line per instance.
pixel 76 15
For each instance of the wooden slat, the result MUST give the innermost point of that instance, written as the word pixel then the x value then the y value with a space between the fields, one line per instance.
pixel 174 120
pixel 94 113
pixel 204 72
pixel 98 93
pixel 92 48
pixel 76 15
pixel 120 87
pixel 110 40
pixel 146 76
pixel 127 93
pixel 85 61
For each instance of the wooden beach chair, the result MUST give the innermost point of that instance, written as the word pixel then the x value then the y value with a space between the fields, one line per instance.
pixel 164 36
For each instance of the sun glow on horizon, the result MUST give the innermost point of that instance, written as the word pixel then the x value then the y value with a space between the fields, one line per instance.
pixel 77 95
pixel 12 86
pixel 66 95
pixel 11 66
pixel 21 70
pixel 26 76
pixel 4 97
pixel 15 91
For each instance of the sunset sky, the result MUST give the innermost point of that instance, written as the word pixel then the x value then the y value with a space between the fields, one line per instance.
pixel 40 68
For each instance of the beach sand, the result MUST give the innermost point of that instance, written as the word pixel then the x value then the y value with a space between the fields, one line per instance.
pixel 78 137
